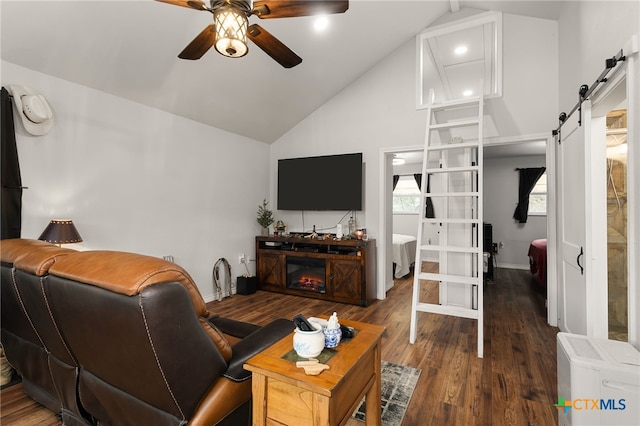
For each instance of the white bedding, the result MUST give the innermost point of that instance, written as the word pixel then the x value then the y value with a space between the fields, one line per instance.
pixel 404 253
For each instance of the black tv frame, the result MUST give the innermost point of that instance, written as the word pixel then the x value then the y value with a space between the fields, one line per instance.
pixel 321 183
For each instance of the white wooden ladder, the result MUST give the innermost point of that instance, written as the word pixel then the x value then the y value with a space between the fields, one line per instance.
pixel 453 157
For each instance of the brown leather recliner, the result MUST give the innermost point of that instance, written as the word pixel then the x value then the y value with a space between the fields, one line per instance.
pixel 29 336
pixel 145 345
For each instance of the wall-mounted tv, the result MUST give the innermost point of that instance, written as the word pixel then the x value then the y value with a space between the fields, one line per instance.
pixel 329 182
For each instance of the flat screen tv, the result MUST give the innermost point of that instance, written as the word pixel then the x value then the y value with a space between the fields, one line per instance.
pixel 329 182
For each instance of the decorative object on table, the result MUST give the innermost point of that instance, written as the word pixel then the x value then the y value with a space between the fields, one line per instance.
pixel 61 231
pixel 265 217
pixel 279 229
pixel 313 367
pixel 347 332
pixel 359 233
pixel 352 225
pixel 308 339
pixel 332 332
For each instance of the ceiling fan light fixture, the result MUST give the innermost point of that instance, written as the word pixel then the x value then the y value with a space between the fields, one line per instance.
pixel 231 32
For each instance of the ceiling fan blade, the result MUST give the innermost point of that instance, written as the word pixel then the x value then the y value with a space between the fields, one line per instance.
pixel 273 47
pixel 191 4
pixel 200 44
pixel 266 9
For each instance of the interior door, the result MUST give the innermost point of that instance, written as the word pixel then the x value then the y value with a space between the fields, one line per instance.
pixel 572 255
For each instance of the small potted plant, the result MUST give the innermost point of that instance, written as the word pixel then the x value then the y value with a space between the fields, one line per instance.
pixel 265 217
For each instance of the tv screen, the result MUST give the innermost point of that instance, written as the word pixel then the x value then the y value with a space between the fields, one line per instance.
pixel 330 182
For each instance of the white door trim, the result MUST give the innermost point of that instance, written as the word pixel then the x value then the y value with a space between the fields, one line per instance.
pixel 629 72
pixel 386 216
pixel 385 253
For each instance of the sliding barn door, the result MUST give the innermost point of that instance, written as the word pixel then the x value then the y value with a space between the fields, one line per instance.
pixel 572 253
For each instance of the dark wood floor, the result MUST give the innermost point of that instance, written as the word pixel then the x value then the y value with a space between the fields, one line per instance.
pixel 514 384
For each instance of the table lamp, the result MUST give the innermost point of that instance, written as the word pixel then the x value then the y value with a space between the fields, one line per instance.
pixel 61 231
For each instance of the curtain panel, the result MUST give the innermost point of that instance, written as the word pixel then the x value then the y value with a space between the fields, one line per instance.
pixel 11 197
pixel 430 212
pixel 527 181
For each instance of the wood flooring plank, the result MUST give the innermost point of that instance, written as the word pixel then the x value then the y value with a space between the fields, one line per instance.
pixel 529 378
pixel 478 393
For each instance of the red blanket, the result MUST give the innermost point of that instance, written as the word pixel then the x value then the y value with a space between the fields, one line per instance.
pixel 538 259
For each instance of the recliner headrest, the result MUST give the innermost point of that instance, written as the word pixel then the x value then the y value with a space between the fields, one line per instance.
pixel 125 273
pixel 33 256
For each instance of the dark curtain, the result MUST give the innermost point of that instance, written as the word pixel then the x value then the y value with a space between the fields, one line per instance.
pixel 528 179
pixel 430 213
pixel 11 198
pixel 418 178
pixel 396 178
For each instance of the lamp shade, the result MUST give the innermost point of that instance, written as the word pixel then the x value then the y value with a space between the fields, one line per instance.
pixel 61 231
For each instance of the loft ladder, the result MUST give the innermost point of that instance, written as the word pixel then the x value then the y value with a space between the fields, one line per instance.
pixel 453 157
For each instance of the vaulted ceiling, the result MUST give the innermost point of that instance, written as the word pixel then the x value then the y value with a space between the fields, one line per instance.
pixel 129 49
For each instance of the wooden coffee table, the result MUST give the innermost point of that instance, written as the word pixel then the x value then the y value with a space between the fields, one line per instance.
pixel 284 394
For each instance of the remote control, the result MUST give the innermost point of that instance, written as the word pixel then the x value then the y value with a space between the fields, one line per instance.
pixel 346 331
pixel 302 323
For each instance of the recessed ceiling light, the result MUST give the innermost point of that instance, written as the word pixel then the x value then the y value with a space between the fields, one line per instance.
pixel 321 23
pixel 467 93
pixel 460 50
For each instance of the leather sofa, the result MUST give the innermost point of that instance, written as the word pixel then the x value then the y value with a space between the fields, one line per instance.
pixel 115 338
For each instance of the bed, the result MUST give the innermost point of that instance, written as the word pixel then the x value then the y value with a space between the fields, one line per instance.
pixel 538 260
pixel 404 254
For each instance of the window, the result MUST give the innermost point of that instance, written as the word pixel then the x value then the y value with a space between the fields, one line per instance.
pixel 538 197
pixel 406 196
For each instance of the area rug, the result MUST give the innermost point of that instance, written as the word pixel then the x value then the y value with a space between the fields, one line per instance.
pixel 397 385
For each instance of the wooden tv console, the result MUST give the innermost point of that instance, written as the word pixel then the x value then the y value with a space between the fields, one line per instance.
pixel 348 267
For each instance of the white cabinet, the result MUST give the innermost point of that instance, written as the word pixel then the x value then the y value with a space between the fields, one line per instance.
pixel 598 381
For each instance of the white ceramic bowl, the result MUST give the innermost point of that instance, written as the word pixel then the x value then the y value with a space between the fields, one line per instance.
pixel 308 344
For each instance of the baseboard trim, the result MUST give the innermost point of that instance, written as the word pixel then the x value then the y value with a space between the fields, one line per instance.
pixel 513 266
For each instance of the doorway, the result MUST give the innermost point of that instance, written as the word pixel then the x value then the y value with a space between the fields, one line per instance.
pixel 413 163
pixel 385 254
pixel 611 113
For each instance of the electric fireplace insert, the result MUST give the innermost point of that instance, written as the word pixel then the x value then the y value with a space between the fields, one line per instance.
pixel 306 274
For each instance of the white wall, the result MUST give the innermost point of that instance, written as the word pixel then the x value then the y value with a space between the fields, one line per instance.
pixel 138 179
pixel 590 32
pixel 500 199
pixel 378 111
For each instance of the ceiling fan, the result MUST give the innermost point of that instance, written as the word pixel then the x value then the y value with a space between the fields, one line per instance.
pixel 231 27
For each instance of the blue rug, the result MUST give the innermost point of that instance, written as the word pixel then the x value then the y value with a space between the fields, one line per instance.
pixel 397 385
